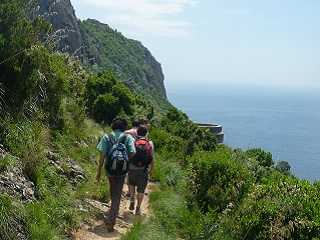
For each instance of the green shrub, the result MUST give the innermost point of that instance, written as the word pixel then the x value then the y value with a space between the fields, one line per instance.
pixel 106 97
pixel 264 158
pixel 216 180
pixel 106 107
pixel 168 171
pixel 178 124
pixel 281 207
pixel 166 143
pixel 98 85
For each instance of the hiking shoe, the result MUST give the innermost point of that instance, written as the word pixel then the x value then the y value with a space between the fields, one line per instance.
pixel 138 211
pixel 110 227
pixel 109 224
pixel 131 207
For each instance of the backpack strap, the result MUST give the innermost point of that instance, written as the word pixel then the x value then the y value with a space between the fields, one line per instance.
pixel 122 138
pixel 111 139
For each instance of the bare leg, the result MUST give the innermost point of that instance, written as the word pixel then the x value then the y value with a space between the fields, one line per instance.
pixel 132 197
pixel 140 199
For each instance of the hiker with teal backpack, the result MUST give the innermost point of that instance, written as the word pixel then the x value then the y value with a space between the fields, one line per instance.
pixel 140 167
pixel 116 149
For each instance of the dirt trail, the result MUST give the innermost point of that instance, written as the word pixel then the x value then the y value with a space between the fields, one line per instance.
pixel 96 230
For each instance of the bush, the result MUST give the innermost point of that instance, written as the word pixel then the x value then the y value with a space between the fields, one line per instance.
pixel 106 107
pixel 106 98
pixel 282 207
pixel 166 143
pixel 216 180
pixel 264 158
pixel 178 124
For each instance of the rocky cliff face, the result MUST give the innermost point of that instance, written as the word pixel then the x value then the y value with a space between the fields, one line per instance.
pixel 61 15
pixel 102 48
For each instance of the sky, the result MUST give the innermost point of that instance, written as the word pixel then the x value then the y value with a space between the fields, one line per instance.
pixel 266 43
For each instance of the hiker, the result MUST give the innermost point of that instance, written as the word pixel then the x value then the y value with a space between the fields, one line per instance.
pixel 141 165
pixel 146 123
pixel 134 134
pixel 115 149
pixel 133 130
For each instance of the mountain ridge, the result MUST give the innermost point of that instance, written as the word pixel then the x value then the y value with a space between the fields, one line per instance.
pixel 102 48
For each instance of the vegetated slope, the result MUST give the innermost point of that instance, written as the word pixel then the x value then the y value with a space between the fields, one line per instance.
pixel 101 48
pixel 108 49
pixel 48 153
pixel 224 193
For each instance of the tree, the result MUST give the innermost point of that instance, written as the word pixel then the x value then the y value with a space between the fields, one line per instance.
pixel 264 158
pixel 106 107
pixel 106 97
pixel 283 166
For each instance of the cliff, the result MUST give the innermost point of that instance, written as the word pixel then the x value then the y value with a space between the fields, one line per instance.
pixel 108 49
pixel 101 48
pixel 63 19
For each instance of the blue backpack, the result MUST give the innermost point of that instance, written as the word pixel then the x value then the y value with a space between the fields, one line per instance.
pixel 117 163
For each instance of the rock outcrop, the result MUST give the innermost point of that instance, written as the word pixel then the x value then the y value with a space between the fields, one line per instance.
pixel 61 15
pixel 14 183
pixel 67 167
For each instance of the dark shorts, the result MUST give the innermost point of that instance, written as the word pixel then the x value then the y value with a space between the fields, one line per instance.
pixel 139 179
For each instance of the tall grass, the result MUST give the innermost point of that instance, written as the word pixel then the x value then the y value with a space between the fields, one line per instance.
pixel 12 219
pixel 27 140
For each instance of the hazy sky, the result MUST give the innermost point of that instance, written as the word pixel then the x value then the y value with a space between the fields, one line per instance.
pixel 204 42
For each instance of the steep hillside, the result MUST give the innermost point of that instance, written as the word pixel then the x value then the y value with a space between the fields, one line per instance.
pixel 101 48
pixel 109 49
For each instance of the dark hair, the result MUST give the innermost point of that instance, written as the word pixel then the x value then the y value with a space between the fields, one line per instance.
pixel 144 121
pixel 119 124
pixel 142 131
pixel 136 123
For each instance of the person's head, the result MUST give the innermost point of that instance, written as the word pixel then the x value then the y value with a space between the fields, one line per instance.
pixel 142 131
pixel 119 124
pixel 135 123
pixel 145 122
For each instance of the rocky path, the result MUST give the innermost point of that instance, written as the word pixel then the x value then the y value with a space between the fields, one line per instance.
pixel 96 229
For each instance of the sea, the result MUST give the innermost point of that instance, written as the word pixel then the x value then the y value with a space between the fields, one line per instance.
pixel 283 121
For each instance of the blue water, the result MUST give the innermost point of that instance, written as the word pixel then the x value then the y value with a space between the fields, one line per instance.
pixel 286 123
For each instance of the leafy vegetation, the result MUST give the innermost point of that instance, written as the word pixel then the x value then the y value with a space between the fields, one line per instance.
pixel 107 97
pixel 108 49
pixel 225 194
pixel 205 191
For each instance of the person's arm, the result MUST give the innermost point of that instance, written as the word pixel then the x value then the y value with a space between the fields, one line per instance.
pixel 100 164
pixel 130 146
pixel 103 148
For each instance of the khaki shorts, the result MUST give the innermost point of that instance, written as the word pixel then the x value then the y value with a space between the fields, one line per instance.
pixel 139 179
